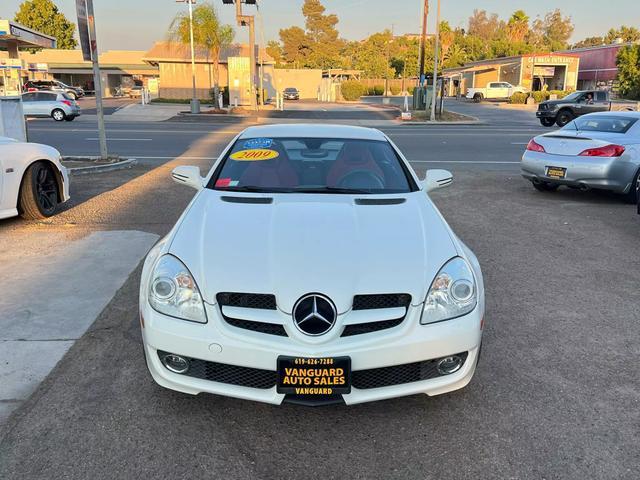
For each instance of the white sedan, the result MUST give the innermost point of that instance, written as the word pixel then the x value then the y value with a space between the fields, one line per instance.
pixel 33 181
pixel 311 267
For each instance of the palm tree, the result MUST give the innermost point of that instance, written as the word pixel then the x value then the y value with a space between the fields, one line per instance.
pixel 208 33
pixel 518 26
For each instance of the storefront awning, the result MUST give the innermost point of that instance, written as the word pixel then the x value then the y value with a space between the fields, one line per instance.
pixel 15 34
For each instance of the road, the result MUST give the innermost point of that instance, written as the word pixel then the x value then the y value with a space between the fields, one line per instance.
pixel 555 395
pixel 496 145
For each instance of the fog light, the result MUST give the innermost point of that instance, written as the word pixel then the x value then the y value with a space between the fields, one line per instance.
pixel 449 365
pixel 175 363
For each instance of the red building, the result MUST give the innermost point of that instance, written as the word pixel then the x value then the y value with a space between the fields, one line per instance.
pixel 597 66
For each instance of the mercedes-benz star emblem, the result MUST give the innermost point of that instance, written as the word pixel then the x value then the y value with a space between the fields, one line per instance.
pixel 314 314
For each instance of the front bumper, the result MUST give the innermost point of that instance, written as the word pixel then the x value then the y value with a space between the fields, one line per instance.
pixel 615 174
pixel 546 113
pixel 222 343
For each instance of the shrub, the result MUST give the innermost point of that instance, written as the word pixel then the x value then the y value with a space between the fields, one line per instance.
pixel 560 93
pixel 395 90
pixel 352 90
pixel 411 90
pixel 519 98
pixel 540 96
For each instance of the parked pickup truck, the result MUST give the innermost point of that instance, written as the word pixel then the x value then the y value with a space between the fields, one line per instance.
pixel 561 112
pixel 493 90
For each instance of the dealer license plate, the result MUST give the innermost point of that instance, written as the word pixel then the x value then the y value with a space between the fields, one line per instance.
pixel 556 172
pixel 314 376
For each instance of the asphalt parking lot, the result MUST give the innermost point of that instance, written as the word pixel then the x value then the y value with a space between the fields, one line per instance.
pixel 555 395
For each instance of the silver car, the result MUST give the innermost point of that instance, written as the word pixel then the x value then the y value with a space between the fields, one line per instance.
pixel 56 105
pixel 598 150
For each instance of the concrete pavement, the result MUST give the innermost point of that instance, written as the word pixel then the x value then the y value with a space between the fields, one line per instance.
pixel 555 394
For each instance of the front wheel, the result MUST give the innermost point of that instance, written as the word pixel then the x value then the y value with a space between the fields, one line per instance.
pixel 477 98
pixel 547 122
pixel 58 115
pixel 545 187
pixel 38 197
pixel 72 95
pixel 564 117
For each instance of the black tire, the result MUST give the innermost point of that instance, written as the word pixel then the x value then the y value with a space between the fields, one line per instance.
pixel 69 119
pixel 633 196
pixel 547 122
pixel 58 115
pixel 38 197
pixel 477 98
pixel 545 187
pixel 564 117
pixel 72 95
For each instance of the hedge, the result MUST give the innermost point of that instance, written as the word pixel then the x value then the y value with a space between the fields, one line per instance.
pixel 521 98
pixel 395 90
pixel 352 90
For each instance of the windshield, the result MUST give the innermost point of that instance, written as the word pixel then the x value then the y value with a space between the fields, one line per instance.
pixel 312 165
pixel 601 123
pixel 290 89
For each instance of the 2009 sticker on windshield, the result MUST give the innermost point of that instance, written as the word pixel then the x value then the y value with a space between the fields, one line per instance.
pixel 254 155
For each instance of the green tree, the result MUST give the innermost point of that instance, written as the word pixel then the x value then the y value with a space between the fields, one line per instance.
pixel 624 33
pixel 274 50
pixel 553 32
pixel 590 42
pixel 296 46
pixel 319 46
pixel 628 62
pixel 209 34
pixel 44 16
pixel 517 27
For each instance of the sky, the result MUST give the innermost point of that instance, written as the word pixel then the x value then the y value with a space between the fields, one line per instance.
pixel 136 24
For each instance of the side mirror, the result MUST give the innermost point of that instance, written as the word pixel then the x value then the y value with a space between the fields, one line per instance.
pixel 188 175
pixel 436 179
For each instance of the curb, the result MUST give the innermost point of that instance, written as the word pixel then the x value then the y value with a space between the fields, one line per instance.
pixel 107 167
pixel 467 122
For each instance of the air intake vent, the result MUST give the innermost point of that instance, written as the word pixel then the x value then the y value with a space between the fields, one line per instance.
pixel 254 200
pixel 379 201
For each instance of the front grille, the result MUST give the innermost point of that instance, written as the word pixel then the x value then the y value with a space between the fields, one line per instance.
pixel 262 301
pixel 261 327
pixel 259 301
pixel 385 300
pixel 398 374
pixel 360 328
pixel 230 374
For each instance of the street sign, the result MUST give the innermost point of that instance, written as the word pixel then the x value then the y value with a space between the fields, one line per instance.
pixel 86 29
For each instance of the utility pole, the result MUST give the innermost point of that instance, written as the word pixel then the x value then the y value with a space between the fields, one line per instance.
pixel 435 66
pixel 243 21
pixel 423 40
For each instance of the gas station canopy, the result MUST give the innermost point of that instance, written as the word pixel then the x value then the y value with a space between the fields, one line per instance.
pixel 14 35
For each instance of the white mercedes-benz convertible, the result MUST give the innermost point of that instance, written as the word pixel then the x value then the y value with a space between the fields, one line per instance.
pixel 311 267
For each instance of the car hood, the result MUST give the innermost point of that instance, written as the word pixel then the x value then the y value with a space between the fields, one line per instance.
pixel 305 243
pixel 551 103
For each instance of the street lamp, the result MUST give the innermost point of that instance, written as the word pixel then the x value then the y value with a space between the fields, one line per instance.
pixel 195 103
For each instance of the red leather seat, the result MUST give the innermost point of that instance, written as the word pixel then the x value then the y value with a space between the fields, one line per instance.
pixel 353 157
pixel 270 173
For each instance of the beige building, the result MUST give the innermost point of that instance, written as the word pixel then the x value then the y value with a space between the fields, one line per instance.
pixel 118 68
pixel 551 71
pixel 173 61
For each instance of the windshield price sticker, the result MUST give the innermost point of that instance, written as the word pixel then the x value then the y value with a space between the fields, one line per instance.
pixel 254 155
pixel 258 143
pixel 314 376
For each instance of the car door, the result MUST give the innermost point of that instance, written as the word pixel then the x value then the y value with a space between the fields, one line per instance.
pixel 29 104
pixel 600 102
pixel 46 102
pixel 497 90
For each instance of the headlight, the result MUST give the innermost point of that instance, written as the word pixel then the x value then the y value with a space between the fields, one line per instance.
pixel 452 293
pixel 174 292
